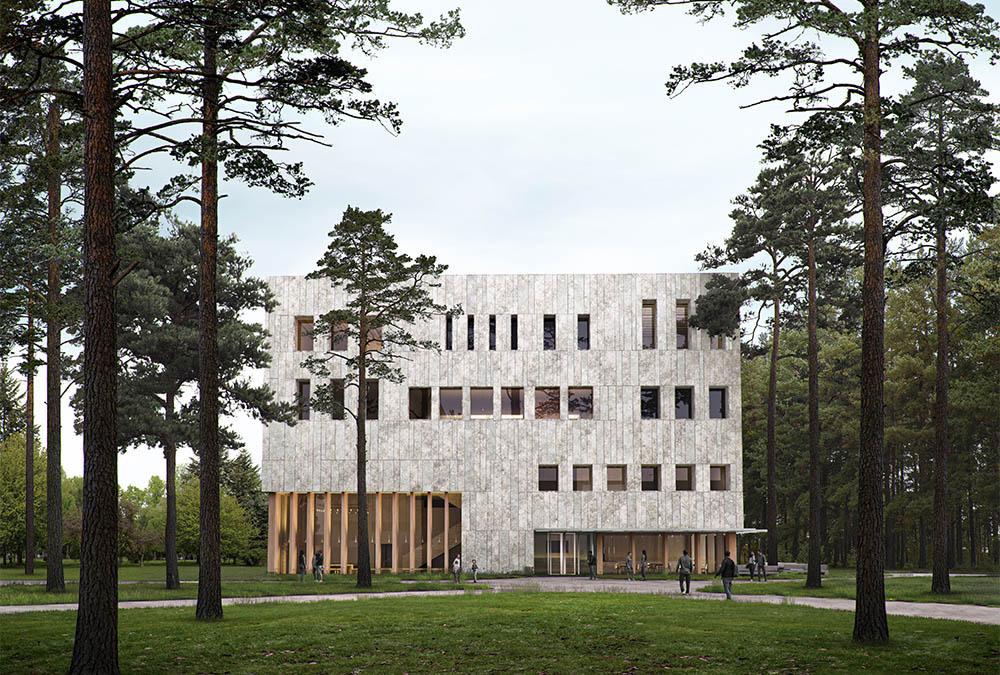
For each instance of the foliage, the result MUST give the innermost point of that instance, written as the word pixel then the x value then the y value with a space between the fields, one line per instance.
pixel 236 530
pixel 12 516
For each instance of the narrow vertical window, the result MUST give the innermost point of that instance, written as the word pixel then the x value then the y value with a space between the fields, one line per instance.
pixel 337 387
pixel 448 332
pixel 372 400
pixel 683 307
pixel 513 332
pixel 717 403
pixel 304 334
pixel 649 324
pixel 583 331
pixel 303 394
pixel 493 332
pixel 549 332
pixel 338 337
pixel 472 333
pixel 683 403
pixel 718 342
pixel 649 403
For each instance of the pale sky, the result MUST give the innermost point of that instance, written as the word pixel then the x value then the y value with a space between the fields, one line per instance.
pixel 541 142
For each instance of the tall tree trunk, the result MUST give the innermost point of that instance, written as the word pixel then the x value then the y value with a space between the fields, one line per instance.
pixel 209 550
pixel 364 558
pixel 29 440
pixel 973 544
pixel 55 581
pixel 772 444
pixel 95 647
pixel 940 583
pixel 814 577
pixel 870 623
pixel 170 529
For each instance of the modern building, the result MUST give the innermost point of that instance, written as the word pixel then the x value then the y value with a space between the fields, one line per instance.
pixel 564 413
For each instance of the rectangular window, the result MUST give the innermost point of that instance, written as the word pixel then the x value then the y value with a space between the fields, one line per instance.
pixel 420 403
pixel 583 478
pixel 549 332
pixel 548 478
pixel 450 405
pixel 683 306
pixel 683 403
pixel 649 324
pixel 581 403
pixel 546 403
pixel 338 337
pixel 493 332
pixel 304 334
pixel 374 342
pixel 719 477
pixel 717 403
pixel 684 478
pixel 449 328
pixel 513 332
pixel 481 400
pixel 649 403
pixel 512 402
pixel 337 394
pixel 472 333
pixel 583 331
pixel 372 400
pixel 303 393
pixel 651 478
pixel 616 478
pixel 717 342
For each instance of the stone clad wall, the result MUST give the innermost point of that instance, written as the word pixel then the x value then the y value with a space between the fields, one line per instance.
pixel 493 463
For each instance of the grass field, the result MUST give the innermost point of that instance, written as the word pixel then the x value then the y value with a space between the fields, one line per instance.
pixel 507 632
pixel 151 571
pixel 36 595
pixel 965 590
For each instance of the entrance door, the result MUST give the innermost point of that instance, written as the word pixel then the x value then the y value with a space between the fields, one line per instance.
pixel 562 553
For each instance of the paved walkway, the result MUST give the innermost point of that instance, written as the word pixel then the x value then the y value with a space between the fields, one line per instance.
pixel 930 610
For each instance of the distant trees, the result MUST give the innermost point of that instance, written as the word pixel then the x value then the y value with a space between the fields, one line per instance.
pixel 13 524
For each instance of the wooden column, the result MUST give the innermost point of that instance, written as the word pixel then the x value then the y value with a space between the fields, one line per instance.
pixel 395 532
pixel 731 545
pixel 378 532
pixel 327 532
pixel 631 547
pixel 272 534
pixel 447 555
pixel 293 533
pixel 702 542
pixel 600 553
pixel 430 530
pixel 413 531
pixel 310 529
pixel 666 552
pixel 343 533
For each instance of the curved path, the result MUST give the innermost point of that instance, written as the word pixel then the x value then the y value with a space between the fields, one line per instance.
pixel 929 610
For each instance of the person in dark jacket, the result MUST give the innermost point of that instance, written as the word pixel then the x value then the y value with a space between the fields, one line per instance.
pixel 727 570
pixel 592 564
pixel 684 568
pixel 302 565
pixel 318 566
pixel 643 565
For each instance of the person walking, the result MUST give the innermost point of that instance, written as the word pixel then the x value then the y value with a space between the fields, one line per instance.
pixel 474 568
pixel 592 564
pixel 752 564
pixel 761 566
pixel 684 567
pixel 456 567
pixel 727 570
pixel 318 566
pixel 643 565
pixel 302 565
pixel 629 567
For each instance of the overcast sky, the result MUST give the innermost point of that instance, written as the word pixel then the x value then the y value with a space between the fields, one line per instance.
pixel 541 142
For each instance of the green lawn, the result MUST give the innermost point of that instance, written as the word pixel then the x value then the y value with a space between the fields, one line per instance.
pixel 965 590
pixel 507 632
pixel 36 595
pixel 151 571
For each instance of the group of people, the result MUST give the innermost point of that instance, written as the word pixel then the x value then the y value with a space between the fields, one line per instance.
pixel 317 566
pixel 757 565
pixel 456 569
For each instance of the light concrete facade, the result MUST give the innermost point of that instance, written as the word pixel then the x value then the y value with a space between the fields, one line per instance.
pixel 494 463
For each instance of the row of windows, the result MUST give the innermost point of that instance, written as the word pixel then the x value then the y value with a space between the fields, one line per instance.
pixel 304 326
pixel 580 402
pixel 616 477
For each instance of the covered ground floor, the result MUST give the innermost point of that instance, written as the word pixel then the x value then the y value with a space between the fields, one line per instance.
pixel 565 553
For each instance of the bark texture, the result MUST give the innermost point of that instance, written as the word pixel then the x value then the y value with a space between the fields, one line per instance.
pixel 364 557
pixel 170 528
pixel 29 441
pixel 772 444
pixel 95 647
pixel 813 571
